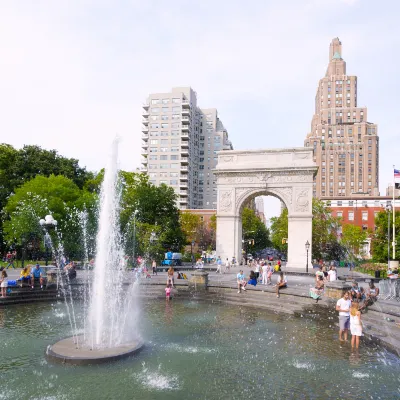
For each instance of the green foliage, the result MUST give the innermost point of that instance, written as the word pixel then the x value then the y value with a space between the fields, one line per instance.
pixel 190 225
pixel 56 195
pixel 254 230
pixel 20 166
pixel 379 242
pixel 279 231
pixel 324 235
pixel 156 211
pixel 325 243
pixel 353 238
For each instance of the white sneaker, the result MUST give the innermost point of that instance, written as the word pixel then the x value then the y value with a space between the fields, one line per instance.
pixel 238 291
pixel 244 289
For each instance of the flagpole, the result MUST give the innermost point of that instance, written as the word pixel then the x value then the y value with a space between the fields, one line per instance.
pixel 394 213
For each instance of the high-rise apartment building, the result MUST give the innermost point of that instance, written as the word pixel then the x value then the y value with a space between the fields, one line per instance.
pixel 180 142
pixel 346 145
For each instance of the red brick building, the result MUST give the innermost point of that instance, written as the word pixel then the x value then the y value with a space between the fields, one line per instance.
pixel 360 211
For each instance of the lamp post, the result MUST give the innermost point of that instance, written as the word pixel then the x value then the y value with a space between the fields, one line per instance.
pixel 47 223
pixel 134 238
pixel 153 238
pixel 191 251
pixel 388 210
pixel 307 248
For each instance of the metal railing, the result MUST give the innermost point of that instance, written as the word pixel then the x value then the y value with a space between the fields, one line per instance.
pixel 389 289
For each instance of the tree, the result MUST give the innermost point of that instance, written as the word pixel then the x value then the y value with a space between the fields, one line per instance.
pixel 56 195
pixel 325 231
pixel 191 225
pixel 353 238
pixel 255 233
pixel 20 166
pixel 156 211
pixel 325 242
pixel 279 231
pixel 379 243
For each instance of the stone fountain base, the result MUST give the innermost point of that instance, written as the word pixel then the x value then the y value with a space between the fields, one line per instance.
pixel 65 351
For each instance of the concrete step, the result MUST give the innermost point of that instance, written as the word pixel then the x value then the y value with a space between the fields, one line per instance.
pixel 9 302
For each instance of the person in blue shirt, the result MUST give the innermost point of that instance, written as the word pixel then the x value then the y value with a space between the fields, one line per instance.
pixel 241 281
pixel 253 279
pixel 37 275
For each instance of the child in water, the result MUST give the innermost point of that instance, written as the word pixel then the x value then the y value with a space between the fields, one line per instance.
pixel 168 292
pixel 355 325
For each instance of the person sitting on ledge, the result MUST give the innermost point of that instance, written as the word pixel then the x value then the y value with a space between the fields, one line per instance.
pixel 317 291
pixel 281 283
pixel 37 275
pixel 241 282
pixel 371 296
pixel 253 279
pixel 356 292
pixel 25 275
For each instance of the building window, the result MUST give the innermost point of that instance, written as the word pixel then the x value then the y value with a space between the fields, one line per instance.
pixel 155 101
pixel 339 214
pixel 154 141
pixel 365 215
pixel 351 216
pixel 176 100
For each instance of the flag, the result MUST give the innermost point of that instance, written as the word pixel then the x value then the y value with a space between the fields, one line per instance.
pixel 397 179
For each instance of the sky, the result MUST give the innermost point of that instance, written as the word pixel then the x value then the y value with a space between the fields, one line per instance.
pixel 74 73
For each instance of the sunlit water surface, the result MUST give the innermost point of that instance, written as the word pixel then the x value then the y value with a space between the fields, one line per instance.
pixel 197 351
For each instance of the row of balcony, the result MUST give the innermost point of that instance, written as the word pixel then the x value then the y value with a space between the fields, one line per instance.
pixel 184 103
pixel 184 128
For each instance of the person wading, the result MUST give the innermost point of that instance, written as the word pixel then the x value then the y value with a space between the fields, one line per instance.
pixel 343 306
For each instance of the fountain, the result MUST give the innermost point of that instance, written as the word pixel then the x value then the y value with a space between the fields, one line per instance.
pixel 109 333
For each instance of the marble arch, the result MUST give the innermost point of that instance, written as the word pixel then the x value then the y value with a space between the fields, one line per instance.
pixel 283 173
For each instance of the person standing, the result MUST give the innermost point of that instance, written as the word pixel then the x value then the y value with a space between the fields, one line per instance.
pixel 168 292
pixel 154 267
pixel 355 325
pixel 265 269
pixel 170 277
pixel 332 276
pixel 227 265
pixel 257 270
pixel 343 306
pixel 3 283
pixel 219 265
pixel 281 283
pixel 10 260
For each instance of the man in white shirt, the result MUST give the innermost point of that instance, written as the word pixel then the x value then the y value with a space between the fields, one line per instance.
pixel 332 274
pixel 343 306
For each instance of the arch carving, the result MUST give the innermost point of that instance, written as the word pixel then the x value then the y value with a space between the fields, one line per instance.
pixel 286 174
pixel 284 194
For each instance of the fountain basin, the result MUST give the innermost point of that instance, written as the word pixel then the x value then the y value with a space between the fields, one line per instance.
pixel 65 351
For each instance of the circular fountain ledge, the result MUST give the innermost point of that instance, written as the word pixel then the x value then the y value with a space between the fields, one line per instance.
pixel 65 351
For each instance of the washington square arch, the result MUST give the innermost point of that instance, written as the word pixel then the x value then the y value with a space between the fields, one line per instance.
pixel 284 173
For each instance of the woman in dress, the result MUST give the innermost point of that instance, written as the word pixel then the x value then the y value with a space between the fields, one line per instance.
pixel 355 325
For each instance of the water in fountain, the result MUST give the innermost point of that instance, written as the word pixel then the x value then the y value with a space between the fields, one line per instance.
pixel 110 306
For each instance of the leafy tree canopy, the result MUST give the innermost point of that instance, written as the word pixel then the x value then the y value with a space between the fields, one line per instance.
pixel 55 195
pixel 380 238
pixel 254 231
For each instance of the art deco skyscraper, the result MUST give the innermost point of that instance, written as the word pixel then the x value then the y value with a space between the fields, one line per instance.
pixel 346 145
